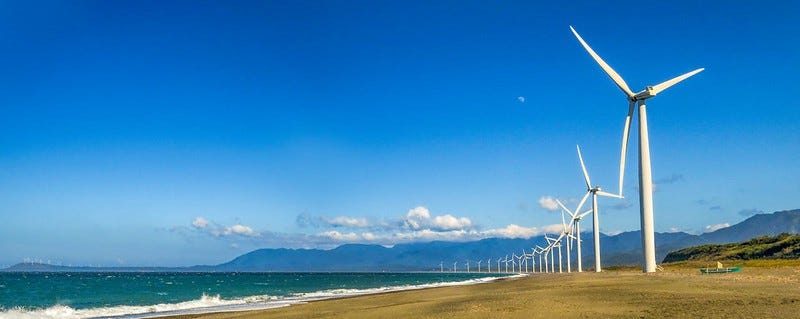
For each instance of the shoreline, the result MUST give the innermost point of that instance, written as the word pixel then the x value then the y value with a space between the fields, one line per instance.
pixel 755 293
pixel 314 297
pixel 255 300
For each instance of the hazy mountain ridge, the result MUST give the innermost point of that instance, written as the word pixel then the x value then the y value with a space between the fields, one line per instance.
pixel 783 246
pixel 620 249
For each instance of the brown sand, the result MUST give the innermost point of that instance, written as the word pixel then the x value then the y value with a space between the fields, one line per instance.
pixel 681 293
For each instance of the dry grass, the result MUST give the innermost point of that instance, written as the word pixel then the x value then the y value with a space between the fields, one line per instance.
pixel 769 291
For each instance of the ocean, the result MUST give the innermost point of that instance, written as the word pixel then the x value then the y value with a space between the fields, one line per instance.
pixel 142 294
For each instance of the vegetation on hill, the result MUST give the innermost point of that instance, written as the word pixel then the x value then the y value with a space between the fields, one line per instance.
pixel 783 246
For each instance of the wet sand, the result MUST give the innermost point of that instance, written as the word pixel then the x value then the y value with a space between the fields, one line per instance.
pixel 763 292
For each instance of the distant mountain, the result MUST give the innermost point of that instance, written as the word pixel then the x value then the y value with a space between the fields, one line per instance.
pixel 41 267
pixel 783 246
pixel 621 249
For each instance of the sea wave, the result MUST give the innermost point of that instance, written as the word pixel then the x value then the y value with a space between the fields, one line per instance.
pixel 206 303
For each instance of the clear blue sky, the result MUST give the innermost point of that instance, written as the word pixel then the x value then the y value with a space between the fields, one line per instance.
pixel 177 133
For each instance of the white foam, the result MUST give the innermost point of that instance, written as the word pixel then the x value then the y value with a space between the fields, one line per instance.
pixel 208 304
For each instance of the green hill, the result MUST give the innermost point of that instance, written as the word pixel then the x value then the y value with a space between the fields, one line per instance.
pixel 783 246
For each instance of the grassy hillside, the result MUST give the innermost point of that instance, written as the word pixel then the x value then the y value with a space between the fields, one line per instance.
pixel 783 246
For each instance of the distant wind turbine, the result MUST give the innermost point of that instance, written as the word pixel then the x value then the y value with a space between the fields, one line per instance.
pixel 576 221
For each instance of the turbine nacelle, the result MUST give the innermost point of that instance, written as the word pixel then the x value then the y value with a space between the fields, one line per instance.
pixel 645 94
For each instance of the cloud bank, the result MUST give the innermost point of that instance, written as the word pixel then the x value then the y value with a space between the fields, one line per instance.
pixel 416 225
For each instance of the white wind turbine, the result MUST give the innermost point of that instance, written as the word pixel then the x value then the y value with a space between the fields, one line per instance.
pixel 467 264
pixel 454 266
pixel 498 264
pixel 489 265
pixel 645 173
pixel 565 235
pixel 554 242
pixel 513 261
pixel 540 252
pixel 441 266
pixel 594 191
pixel 576 221
pixel 525 258
pixel 506 261
pixel 479 265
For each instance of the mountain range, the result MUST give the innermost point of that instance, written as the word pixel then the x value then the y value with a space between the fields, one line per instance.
pixel 619 249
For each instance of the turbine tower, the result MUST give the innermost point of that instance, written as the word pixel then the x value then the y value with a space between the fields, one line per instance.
pixel 645 173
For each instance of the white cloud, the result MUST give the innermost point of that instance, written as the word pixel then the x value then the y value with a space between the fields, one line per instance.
pixel 674 230
pixel 341 237
pixel 711 228
pixel 448 222
pixel 203 225
pixel 343 221
pixel 200 222
pixel 548 203
pixel 241 230
pixel 521 99
pixel 514 231
pixel 417 217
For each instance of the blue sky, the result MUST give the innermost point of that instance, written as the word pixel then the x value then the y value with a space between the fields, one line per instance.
pixel 179 133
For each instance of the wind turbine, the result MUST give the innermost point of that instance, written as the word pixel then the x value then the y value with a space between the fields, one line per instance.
pixel 541 250
pixel 565 234
pixel 594 191
pixel 454 266
pixel 489 265
pixel 525 258
pixel 645 173
pixel 441 266
pixel 498 264
pixel 552 244
pixel 576 220
pixel 506 261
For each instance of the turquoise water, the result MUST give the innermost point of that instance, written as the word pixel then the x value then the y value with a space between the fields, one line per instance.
pixel 82 295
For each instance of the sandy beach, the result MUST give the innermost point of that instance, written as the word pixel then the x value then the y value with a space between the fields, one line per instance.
pixel 756 292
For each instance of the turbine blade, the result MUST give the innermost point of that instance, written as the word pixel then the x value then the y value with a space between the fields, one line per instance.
pixel 626 133
pixel 602 193
pixel 565 208
pixel 585 213
pixel 583 200
pixel 611 73
pixel 585 173
pixel 666 84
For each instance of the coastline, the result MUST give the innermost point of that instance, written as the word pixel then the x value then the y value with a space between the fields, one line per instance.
pixel 756 293
pixel 329 287
pixel 309 298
